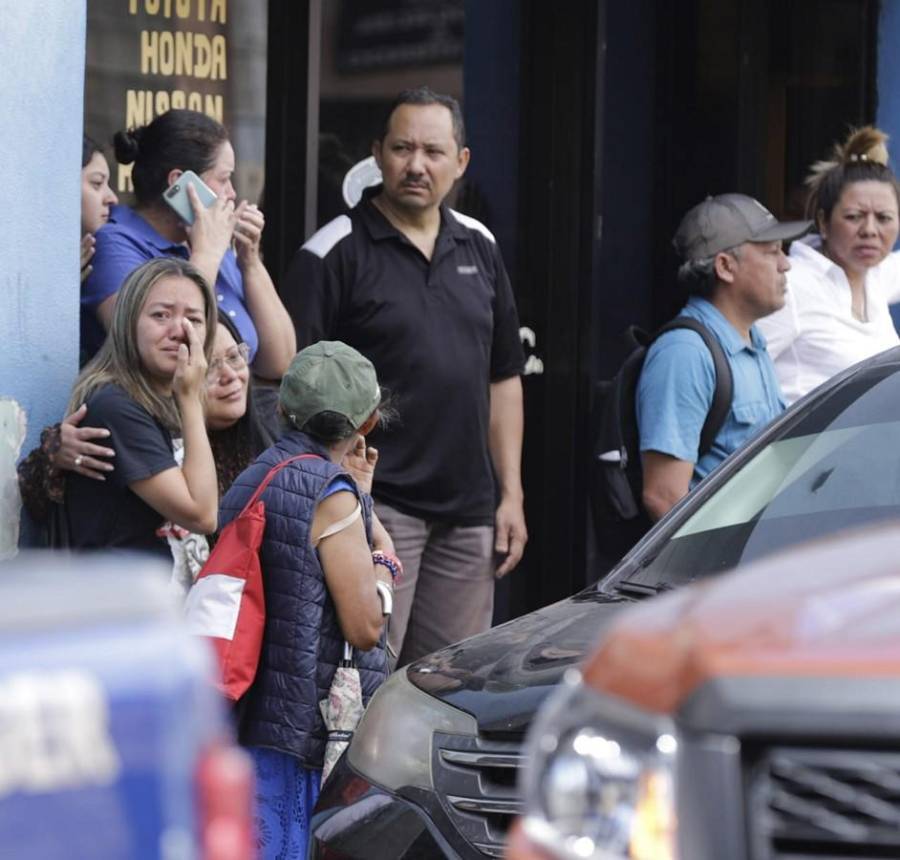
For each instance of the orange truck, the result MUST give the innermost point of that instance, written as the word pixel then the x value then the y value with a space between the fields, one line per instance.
pixel 755 716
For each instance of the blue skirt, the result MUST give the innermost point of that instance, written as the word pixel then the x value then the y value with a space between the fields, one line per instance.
pixel 286 793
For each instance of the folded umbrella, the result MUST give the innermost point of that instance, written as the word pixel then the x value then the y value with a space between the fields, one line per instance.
pixel 342 709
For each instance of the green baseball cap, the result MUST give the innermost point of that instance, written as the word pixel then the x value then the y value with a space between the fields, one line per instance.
pixel 329 376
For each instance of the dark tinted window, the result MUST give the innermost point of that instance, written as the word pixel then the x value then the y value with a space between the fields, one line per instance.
pixel 836 465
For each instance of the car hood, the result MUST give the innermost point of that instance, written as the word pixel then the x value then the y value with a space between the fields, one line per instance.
pixel 502 676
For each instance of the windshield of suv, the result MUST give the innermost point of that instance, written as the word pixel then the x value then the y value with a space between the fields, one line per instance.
pixel 836 465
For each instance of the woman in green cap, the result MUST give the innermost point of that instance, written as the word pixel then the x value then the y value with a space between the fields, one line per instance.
pixel 323 583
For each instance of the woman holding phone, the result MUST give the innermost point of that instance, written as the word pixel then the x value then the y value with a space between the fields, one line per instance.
pixel 161 152
pixel 146 386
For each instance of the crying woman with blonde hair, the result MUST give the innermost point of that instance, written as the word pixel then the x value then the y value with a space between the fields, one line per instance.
pixel 146 387
pixel 844 275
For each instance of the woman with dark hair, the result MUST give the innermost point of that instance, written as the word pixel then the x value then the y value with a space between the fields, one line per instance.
pixel 237 432
pixel 174 142
pixel 146 386
pixel 323 583
pixel 844 276
pixel 238 428
pixel 96 198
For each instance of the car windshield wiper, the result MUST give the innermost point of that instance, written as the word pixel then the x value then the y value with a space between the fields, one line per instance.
pixel 641 589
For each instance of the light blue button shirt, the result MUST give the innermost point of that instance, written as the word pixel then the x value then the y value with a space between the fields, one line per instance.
pixel 678 380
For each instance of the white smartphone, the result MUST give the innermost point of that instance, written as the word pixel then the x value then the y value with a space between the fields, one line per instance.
pixel 176 195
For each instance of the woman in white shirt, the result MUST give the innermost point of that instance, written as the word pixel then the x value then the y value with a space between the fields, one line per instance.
pixel 843 277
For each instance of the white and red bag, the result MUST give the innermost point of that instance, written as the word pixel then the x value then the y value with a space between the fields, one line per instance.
pixel 227 602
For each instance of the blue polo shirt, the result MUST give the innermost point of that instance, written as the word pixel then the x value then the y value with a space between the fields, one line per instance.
pixel 678 380
pixel 123 244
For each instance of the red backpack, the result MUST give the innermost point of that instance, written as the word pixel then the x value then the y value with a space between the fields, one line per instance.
pixel 227 602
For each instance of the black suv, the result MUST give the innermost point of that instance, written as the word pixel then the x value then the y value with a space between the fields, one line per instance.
pixel 432 769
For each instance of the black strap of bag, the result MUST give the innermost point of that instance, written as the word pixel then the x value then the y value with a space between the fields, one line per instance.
pixel 617 481
pixel 724 390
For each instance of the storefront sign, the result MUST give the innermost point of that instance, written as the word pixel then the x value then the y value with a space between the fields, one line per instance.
pixel 383 34
pixel 145 57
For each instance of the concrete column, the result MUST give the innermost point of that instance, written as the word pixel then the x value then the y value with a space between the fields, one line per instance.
pixel 41 92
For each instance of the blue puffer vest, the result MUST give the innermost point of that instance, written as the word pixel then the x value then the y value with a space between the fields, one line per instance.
pixel 303 643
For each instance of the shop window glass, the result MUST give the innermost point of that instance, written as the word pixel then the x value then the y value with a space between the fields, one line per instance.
pixel 371 50
pixel 820 83
pixel 146 56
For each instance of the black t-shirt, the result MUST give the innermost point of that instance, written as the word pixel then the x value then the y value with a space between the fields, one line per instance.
pixel 438 332
pixel 107 513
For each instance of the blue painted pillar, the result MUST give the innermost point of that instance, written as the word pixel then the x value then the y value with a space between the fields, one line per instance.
pixel 888 80
pixel 491 94
pixel 887 116
pixel 42 54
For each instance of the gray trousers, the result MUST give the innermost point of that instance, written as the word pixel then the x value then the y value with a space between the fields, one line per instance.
pixel 446 592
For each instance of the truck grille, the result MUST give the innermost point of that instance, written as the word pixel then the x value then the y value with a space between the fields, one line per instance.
pixel 819 802
pixel 475 781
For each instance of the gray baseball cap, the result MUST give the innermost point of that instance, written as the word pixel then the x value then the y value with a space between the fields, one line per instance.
pixel 329 376
pixel 728 220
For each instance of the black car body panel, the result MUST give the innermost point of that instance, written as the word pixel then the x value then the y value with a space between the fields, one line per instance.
pixel 501 676
pixel 357 820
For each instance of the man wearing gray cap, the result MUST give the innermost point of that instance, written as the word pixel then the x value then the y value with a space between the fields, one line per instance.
pixel 735 271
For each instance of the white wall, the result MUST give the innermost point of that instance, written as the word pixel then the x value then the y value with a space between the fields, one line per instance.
pixel 41 91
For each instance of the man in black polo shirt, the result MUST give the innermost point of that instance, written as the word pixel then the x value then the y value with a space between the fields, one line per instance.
pixel 421 291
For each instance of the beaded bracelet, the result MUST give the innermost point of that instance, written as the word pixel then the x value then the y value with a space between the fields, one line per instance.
pixel 391 562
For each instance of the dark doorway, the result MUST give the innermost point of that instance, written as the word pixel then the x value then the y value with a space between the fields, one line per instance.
pixel 594 127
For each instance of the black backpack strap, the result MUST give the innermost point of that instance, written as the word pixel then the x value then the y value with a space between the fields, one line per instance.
pixel 724 392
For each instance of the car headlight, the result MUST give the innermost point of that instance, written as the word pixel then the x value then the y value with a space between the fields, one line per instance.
pixel 598 788
pixel 392 744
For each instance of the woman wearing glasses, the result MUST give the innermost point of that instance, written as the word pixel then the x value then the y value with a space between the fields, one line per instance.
pixel 238 431
pixel 237 434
